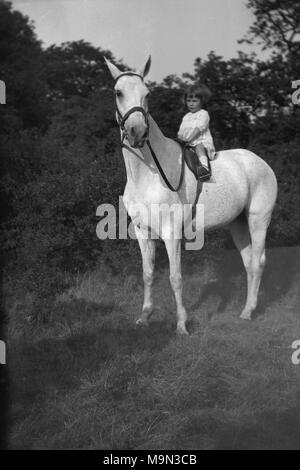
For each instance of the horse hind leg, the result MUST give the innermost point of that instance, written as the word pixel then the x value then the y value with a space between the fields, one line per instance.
pixel 258 225
pixel 240 233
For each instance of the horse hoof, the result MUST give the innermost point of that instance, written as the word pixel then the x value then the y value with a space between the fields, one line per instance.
pixel 245 316
pixel 181 330
pixel 141 322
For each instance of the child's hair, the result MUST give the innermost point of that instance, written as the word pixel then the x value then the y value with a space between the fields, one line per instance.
pixel 200 91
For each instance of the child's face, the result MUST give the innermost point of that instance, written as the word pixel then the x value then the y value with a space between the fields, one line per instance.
pixel 193 103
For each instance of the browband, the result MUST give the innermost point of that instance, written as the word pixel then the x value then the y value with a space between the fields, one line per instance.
pixel 128 74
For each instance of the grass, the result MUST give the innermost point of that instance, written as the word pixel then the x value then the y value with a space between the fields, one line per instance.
pixel 91 379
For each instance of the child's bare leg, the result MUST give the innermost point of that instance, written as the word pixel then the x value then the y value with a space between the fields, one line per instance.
pixel 203 170
pixel 202 155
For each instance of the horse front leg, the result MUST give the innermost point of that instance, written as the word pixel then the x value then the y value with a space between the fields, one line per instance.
pixel 147 247
pixel 173 247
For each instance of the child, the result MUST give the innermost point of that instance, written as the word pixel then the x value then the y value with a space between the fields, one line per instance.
pixel 194 128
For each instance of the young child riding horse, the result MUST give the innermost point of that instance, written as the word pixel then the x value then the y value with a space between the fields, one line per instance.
pixel 194 128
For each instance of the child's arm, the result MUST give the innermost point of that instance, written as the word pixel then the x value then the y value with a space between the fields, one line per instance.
pixel 194 135
pixel 202 125
pixel 189 137
pixel 203 121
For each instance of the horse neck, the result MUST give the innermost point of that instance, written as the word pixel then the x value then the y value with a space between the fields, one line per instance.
pixel 156 137
pixel 139 161
pixel 167 151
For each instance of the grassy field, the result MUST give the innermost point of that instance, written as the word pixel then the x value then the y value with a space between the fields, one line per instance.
pixel 91 379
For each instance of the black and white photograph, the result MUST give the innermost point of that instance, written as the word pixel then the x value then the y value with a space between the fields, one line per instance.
pixel 150 229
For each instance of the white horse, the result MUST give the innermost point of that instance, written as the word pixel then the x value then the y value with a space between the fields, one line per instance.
pixel 242 194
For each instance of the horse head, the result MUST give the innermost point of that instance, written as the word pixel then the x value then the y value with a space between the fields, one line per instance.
pixel 132 103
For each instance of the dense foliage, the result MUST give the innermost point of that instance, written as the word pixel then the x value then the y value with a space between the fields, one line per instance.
pixel 59 141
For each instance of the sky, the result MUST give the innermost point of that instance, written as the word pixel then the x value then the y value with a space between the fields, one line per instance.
pixel 174 32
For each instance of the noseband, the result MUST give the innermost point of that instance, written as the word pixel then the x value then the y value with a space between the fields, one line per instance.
pixel 122 120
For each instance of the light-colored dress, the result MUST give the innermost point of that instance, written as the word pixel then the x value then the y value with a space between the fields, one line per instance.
pixel 199 120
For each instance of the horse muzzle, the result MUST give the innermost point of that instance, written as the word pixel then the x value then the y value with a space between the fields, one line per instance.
pixel 137 138
pixel 135 126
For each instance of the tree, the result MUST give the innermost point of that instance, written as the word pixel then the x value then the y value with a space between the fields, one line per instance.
pixel 77 68
pixel 277 26
pixel 21 69
pixel 166 105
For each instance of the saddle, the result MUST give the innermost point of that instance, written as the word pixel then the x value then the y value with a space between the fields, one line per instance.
pixel 193 162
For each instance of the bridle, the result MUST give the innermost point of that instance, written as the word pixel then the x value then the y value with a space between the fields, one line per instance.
pixel 122 120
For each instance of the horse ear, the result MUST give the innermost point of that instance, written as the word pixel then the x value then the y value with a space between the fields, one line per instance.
pixel 115 72
pixel 144 70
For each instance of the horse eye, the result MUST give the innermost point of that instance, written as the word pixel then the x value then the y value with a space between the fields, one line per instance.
pixel 118 93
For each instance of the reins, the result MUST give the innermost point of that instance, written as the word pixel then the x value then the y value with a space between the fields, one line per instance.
pixel 121 122
pixel 162 173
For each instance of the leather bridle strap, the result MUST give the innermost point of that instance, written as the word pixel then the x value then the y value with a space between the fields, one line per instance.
pixel 128 74
pixel 163 175
pixel 123 119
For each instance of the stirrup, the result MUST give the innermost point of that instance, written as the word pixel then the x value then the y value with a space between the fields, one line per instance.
pixel 203 173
